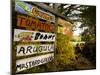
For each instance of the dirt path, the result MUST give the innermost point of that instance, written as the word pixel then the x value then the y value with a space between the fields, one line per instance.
pixel 82 63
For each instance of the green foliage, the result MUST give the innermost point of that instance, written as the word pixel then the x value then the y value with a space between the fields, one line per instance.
pixel 89 15
pixel 65 50
pixel 89 20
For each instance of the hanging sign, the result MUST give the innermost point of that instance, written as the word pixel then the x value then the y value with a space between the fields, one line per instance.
pixel 23 50
pixel 31 36
pixel 32 23
pixel 24 64
pixel 31 10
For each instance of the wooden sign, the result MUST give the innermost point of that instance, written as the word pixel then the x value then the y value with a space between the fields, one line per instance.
pixel 31 10
pixel 32 36
pixel 24 64
pixel 23 50
pixel 32 23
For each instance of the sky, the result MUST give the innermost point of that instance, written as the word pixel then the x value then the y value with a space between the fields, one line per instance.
pixel 77 29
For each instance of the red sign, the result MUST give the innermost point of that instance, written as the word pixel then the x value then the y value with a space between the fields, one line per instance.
pixel 32 23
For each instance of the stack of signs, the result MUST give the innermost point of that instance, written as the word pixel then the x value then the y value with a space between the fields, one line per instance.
pixel 28 17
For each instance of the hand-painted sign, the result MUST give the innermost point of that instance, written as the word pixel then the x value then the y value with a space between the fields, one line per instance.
pixel 31 36
pixel 24 64
pixel 31 10
pixel 32 23
pixel 23 50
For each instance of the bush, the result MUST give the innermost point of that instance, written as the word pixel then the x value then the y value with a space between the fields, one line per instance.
pixel 65 51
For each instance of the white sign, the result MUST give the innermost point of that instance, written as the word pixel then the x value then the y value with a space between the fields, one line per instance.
pixel 23 50
pixel 27 63
pixel 31 36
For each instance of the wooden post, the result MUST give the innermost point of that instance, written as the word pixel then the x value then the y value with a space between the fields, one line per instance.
pixel 56 29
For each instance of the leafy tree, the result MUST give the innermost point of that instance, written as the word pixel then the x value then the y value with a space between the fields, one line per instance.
pixel 84 14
